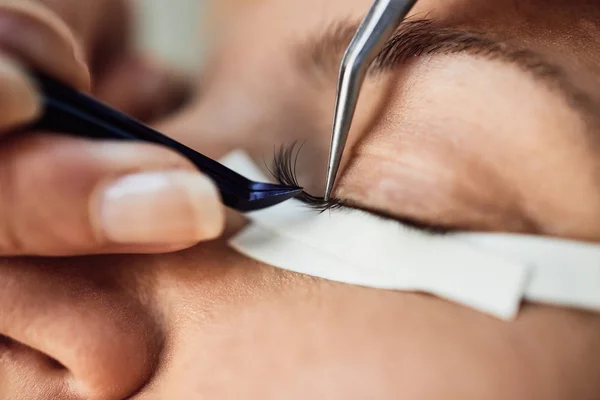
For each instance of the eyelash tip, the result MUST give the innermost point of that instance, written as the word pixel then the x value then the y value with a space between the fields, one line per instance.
pixel 283 169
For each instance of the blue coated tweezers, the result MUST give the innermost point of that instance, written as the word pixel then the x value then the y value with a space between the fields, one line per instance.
pixel 69 111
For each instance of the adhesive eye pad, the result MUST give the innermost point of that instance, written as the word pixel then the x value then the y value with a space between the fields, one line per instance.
pixel 491 273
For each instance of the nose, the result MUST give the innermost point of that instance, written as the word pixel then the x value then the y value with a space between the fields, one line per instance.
pixel 70 331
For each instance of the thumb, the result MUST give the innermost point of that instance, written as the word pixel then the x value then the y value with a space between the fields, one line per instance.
pixel 64 196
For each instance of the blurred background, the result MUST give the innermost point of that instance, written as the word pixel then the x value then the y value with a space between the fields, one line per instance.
pixel 170 29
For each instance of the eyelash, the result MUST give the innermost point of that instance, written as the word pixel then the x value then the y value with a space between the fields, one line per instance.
pixel 283 169
pixel 397 51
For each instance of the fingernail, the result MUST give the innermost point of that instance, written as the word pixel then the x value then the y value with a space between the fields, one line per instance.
pixel 161 208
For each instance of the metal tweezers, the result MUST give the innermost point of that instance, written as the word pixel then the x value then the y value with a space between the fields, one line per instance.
pixel 68 111
pixel 378 26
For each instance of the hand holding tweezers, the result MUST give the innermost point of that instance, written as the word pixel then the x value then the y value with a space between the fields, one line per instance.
pixel 378 26
pixel 69 111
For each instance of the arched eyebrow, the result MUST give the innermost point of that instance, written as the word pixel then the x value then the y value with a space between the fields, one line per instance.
pixel 320 56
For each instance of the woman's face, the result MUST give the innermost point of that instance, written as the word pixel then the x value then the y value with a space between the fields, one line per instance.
pixel 492 127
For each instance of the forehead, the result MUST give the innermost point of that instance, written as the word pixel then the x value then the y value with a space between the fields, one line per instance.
pixel 523 18
pixel 269 30
pixel 293 16
pixel 254 64
pixel 262 36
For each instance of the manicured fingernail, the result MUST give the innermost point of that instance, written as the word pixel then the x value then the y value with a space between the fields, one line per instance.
pixel 161 208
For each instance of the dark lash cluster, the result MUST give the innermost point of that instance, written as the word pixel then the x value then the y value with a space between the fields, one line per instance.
pixel 283 170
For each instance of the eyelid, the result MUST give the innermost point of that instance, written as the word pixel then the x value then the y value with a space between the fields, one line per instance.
pixel 423 37
pixel 283 169
pixel 416 38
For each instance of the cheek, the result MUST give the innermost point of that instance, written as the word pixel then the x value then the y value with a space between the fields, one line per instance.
pixel 239 329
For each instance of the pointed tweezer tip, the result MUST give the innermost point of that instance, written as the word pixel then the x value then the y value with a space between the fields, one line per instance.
pixel 286 194
pixel 273 196
pixel 279 195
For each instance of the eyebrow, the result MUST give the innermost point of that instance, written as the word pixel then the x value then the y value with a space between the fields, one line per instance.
pixel 320 56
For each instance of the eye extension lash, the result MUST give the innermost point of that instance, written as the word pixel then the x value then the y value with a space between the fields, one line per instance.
pixel 283 169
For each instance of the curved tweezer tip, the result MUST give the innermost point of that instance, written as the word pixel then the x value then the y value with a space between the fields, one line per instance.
pixel 271 195
pixel 69 111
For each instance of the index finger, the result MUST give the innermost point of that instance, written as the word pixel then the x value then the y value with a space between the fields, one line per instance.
pixel 39 39
pixel 101 26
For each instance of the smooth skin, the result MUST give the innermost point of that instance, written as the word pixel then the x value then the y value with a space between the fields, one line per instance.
pixel 455 139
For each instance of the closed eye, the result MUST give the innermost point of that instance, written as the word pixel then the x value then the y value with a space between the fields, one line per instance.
pixel 283 169
pixel 424 37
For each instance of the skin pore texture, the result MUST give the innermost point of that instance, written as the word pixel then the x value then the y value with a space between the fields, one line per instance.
pixel 456 140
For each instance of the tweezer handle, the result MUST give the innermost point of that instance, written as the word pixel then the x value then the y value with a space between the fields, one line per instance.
pixel 383 18
pixel 69 111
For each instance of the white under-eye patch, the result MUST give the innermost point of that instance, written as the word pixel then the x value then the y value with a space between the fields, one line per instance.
pixel 492 273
